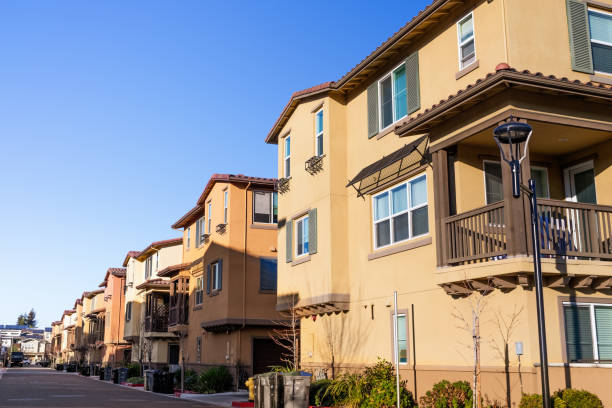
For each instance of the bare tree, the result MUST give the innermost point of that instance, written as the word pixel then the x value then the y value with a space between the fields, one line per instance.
pixel 145 349
pixel 287 334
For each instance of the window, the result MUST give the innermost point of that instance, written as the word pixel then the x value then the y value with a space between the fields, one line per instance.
pixel 467 49
pixel 265 206
pixel 287 162
pixel 156 262
pixel 494 191
pixel 301 236
pixel 199 232
pixel 540 175
pixel 225 207
pixel 199 293
pixel 188 237
pixel 267 274
pixel 402 342
pixel 209 217
pixel 216 276
pixel 93 303
pixel 393 99
pixel 600 26
pixel 319 132
pixel 128 311
pixel 588 331
pixel 401 213
pixel 148 267
pixel 199 348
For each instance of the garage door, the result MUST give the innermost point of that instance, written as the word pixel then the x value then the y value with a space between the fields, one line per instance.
pixel 266 354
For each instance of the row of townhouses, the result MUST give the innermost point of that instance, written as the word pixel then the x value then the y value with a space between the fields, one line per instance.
pixel 389 180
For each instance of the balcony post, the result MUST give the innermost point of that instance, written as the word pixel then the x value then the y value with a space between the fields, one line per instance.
pixel 516 210
pixel 441 202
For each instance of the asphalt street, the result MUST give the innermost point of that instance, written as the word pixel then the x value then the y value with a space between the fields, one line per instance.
pixel 39 387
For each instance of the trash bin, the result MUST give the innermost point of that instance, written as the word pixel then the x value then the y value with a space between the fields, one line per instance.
pixel 165 382
pixel 296 390
pixel 59 367
pixel 149 380
pixel 115 376
pixel 71 367
pixel 123 375
pixel 101 372
pixel 86 371
pixel 108 372
pixel 268 390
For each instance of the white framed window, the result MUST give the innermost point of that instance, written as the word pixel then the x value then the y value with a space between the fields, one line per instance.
pixel 225 203
pixel 588 331
pixel 287 157
pixel 402 337
pixel 600 27
pixel 199 232
pixel 319 132
pixel 392 97
pixel 467 44
pixel 209 215
pixel 148 267
pixel 156 262
pixel 301 236
pixel 540 175
pixel 215 273
pixel 188 237
pixel 199 292
pixel 580 183
pixel 494 190
pixel 265 207
pixel 401 212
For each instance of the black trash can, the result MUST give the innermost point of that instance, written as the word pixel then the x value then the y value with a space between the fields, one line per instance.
pixel 86 371
pixel 59 367
pixel 108 374
pixel 101 373
pixel 115 376
pixel 166 382
pixel 123 375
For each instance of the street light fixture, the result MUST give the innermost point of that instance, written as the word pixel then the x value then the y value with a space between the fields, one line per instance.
pixel 512 134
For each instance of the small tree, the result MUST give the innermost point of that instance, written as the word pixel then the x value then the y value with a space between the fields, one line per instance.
pixel 287 334
pixel 31 318
pixel 22 320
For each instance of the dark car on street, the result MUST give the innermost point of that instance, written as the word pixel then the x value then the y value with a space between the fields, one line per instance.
pixel 16 359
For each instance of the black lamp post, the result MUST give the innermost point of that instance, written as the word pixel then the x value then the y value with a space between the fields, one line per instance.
pixel 512 134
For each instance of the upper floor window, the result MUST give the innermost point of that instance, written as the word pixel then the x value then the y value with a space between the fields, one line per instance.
pixel 301 236
pixel 209 217
pixel 225 204
pixel 267 274
pixel 319 132
pixel 392 93
pixel 600 26
pixel 588 331
pixel 287 157
pixel 199 292
pixel 467 49
pixel 128 311
pixel 188 237
pixel 199 231
pixel 265 206
pixel 215 270
pixel 401 212
pixel 148 267
pixel 156 261
pixel 493 182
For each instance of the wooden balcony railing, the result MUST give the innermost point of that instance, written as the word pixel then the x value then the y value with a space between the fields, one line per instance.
pixel 179 309
pixel 157 321
pixel 566 228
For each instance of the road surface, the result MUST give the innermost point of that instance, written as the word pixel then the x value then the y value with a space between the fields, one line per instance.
pixel 40 387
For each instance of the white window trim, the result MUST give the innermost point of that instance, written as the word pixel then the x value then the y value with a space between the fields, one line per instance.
pixel 570 188
pixel 460 43
pixel 380 116
pixel 484 177
pixel 214 274
pixel 594 10
pixel 396 328
pixel 319 134
pixel 287 157
pixel 545 170
pixel 198 289
pixel 390 216
pixel 188 237
pixel 302 219
pixel 591 307
pixel 209 217
pixel 225 205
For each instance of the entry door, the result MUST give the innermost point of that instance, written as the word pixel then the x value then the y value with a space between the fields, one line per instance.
pixel 580 183
pixel 173 354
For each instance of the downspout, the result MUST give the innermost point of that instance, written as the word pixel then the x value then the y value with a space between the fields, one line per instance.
pixel 244 272
pixel 503 5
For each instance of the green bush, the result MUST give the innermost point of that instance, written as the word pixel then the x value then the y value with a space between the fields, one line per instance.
pixel 571 398
pixel 318 395
pixel 216 379
pixel 448 395
pixel 192 382
pixel 133 370
pixel 135 380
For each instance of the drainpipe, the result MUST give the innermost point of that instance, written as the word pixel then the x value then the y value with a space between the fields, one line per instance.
pixel 244 272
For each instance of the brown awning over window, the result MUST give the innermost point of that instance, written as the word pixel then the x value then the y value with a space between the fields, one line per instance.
pixel 391 167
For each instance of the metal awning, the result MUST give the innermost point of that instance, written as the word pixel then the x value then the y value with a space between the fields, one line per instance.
pixel 391 167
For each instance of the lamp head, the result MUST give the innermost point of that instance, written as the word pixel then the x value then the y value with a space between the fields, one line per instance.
pixel 512 132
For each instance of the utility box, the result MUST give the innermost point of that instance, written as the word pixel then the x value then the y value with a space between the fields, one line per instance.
pixel 296 390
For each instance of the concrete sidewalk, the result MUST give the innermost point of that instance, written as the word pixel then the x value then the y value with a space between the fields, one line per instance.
pixel 223 399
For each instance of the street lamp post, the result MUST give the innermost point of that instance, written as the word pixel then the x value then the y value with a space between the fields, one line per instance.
pixel 512 134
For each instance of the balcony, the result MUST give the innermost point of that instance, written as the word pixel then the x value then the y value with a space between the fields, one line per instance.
pixel 157 320
pixel 179 310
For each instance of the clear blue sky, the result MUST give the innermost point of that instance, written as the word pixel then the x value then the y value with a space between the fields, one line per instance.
pixel 113 114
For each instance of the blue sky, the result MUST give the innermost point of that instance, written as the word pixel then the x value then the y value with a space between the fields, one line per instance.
pixel 113 115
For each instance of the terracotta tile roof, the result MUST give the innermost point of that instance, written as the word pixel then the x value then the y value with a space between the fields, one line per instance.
pixel 153 283
pixel 118 272
pixel 396 40
pixel 93 293
pixel 130 254
pixel 158 245
pixel 414 124
pixel 215 178
pixel 171 270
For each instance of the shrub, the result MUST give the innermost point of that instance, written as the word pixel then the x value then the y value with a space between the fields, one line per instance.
pixel 133 370
pixel 216 379
pixel 318 396
pixel 446 394
pixel 135 380
pixel 571 398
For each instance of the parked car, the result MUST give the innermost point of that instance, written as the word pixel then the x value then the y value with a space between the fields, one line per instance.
pixel 16 359
pixel 26 362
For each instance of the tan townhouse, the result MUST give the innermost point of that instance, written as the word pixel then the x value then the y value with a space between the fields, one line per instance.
pixel 223 294
pixel 94 324
pixel 148 302
pixel 390 180
pixel 116 349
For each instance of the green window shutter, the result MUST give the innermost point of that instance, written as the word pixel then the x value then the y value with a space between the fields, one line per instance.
pixel 312 231
pixel 578 334
pixel 413 87
pixel 579 36
pixel 373 110
pixel 208 279
pixel 288 241
pixel 603 322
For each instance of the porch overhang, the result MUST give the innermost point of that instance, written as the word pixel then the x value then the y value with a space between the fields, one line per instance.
pixel 233 324
pixel 155 285
pixel 493 84
pixel 398 164
pixel 318 305
pixel 173 270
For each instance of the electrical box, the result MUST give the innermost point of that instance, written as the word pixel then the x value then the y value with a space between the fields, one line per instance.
pixel 519 348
